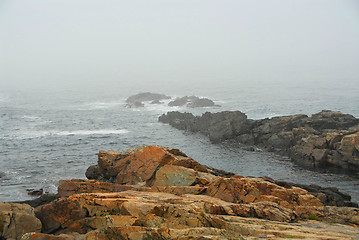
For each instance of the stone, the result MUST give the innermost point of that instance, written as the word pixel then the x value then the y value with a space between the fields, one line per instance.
pixel 251 190
pixel 349 146
pixel 74 186
pixel 44 236
pixel 141 166
pixel 171 196
pixel 106 162
pixel 174 176
pixel 143 214
pixel 17 219
pixel 93 172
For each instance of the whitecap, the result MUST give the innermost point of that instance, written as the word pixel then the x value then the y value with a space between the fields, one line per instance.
pixel 161 107
pixel 4 97
pixel 92 132
pixel 30 117
pixel 38 134
pixel 101 105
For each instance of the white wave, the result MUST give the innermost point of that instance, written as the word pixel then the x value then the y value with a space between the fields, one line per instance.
pixel 101 105
pixel 4 99
pixel 30 117
pixel 162 107
pixel 38 134
pixel 92 132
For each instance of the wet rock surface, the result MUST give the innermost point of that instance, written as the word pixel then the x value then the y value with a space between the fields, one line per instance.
pixel 154 192
pixel 328 139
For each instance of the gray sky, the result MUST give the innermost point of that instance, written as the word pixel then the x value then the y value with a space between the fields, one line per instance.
pixel 64 44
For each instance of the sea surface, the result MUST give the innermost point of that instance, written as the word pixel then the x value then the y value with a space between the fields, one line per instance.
pixel 51 135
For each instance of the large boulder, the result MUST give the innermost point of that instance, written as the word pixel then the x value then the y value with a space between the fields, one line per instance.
pixel 16 220
pixel 139 165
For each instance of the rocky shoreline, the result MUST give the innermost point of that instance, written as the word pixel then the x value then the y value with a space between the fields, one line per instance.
pixel 154 192
pixel 326 140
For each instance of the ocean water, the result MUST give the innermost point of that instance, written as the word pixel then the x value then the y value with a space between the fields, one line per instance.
pixel 48 136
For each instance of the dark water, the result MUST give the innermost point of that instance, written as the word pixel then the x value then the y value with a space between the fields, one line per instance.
pixel 46 137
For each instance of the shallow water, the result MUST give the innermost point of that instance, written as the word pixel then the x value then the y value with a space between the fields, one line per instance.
pixel 48 137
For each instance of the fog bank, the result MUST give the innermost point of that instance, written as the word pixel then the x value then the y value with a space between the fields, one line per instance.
pixel 161 44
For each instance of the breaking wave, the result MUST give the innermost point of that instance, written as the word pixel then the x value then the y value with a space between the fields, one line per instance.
pixel 37 134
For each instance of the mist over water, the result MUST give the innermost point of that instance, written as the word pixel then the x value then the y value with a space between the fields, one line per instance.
pixel 56 135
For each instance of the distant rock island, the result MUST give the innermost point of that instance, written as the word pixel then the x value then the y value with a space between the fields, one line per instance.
pixel 192 102
pixel 327 139
pixel 153 192
pixel 136 101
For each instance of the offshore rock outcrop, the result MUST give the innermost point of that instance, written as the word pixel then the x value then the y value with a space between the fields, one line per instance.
pixel 137 101
pixel 327 139
pixel 192 102
pixel 155 192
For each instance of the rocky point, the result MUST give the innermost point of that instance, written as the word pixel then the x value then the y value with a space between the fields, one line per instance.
pixel 154 192
pixel 327 139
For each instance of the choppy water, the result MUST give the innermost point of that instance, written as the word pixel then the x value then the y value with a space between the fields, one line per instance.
pixel 46 137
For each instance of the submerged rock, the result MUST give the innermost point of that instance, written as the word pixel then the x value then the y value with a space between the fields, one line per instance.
pixel 325 140
pixel 34 192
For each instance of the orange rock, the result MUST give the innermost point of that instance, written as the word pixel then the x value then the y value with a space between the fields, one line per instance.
pixel 249 190
pixel 174 176
pixel 141 166
pixel 138 165
pixel 59 214
pixel 17 219
pixel 106 161
pixel 69 187
pixel 44 236
pixel 134 214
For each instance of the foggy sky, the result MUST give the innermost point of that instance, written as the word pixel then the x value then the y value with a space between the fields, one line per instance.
pixel 49 44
